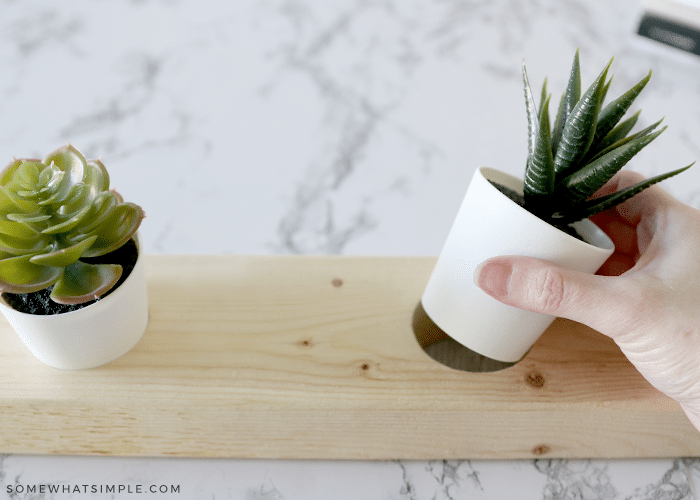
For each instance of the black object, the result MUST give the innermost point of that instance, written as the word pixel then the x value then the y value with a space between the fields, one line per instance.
pixel 673 33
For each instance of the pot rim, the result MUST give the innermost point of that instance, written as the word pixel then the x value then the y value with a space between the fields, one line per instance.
pixel 594 236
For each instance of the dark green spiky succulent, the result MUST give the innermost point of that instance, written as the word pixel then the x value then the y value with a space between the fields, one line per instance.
pixel 52 214
pixel 569 161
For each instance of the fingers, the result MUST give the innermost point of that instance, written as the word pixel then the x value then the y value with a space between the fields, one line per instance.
pixel 632 225
pixel 622 233
pixel 618 263
pixel 597 301
pixel 624 237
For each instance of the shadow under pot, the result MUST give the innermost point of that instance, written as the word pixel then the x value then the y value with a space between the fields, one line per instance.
pixel 92 335
pixel 491 224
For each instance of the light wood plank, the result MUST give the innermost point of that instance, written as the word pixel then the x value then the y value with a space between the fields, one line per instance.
pixel 315 357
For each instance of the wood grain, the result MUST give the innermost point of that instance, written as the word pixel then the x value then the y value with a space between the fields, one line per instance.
pixel 314 357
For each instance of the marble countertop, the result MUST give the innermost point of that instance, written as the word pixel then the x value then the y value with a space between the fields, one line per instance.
pixel 310 127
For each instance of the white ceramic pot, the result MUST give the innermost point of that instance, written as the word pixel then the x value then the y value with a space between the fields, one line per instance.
pixel 490 224
pixel 91 336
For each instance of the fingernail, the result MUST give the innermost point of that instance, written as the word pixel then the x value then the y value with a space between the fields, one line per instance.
pixel 493 278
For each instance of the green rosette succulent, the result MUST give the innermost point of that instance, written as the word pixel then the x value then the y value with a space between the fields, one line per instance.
pixel 568 161
pixel 55 212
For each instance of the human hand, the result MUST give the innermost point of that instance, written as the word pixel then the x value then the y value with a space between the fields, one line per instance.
pixel 646 296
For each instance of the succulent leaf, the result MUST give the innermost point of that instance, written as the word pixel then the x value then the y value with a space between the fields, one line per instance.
pixel 602 203
pixel 589 144
pixel 16 245
pixel 605 93
pixel 81 282
pixel 7 174
pixel 119 225
pixel 24 193
pixel 52 214
pixel 568 102
pixel 28 173
pixel 20 230
pixel 69 160
pixel 580 185
pixel 579 128
pixel 618 133
pixel 64 223
pixel 61 189
pixel 9 202
pixel 28 218
pixel 19 275
pixel 102 205
pixel 539 176
pixel 543 94
pixel 63 256
pixel 532 125
pixel 620 138
pixel 96 176
pixel 611 114
pixel 78 198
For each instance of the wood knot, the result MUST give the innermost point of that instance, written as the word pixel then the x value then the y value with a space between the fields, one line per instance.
pixel 535 379
pixel 337 282
pixel 306 343
pixel 364 370
pixel 541 449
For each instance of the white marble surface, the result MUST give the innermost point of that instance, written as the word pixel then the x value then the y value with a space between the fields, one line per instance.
pixel 322 127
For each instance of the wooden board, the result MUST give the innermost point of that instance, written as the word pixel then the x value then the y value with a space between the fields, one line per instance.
pixel 315 357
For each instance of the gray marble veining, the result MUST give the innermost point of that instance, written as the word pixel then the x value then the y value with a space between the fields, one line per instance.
pixel 76 477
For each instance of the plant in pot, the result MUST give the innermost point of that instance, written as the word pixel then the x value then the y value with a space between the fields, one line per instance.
pixel 72 278
pixel 543 216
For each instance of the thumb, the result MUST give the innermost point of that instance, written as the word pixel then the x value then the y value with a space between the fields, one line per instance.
pixel 536 285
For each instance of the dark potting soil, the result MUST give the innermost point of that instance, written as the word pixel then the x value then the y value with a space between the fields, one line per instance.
pixel 520 200
pixel 40 303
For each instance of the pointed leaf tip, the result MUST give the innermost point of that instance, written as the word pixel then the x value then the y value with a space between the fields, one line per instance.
pixel 532 120
pixel 602 203
pixel 539 174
